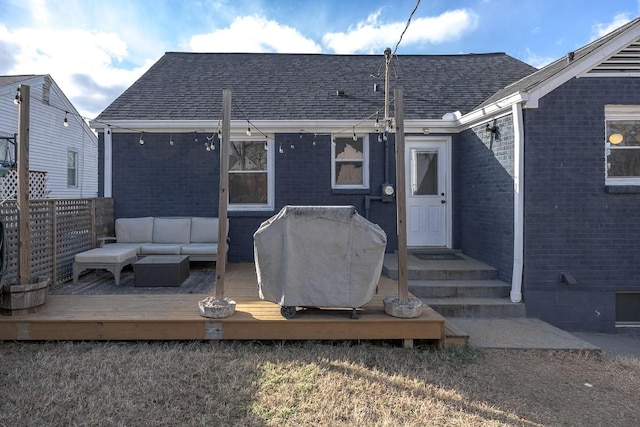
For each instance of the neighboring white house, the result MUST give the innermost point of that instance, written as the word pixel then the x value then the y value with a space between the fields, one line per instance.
pixel 64 159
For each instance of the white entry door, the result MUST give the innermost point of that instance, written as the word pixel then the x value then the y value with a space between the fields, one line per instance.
pixel 427 182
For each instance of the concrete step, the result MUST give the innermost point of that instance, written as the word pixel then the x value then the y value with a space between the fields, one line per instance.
pixel 463 269
pixel 459 288
pixel 476 307
pixel 488 273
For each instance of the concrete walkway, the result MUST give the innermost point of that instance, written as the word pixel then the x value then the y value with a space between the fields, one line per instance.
pixel 525 333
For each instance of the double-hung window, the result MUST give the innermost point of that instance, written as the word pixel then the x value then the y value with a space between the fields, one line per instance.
pixel 350 162
pixel 251 175
pixel 622 144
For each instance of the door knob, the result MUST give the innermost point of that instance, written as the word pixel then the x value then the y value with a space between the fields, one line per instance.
pixel 443 201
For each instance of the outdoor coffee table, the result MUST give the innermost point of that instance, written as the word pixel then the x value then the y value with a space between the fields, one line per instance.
pixel 161 270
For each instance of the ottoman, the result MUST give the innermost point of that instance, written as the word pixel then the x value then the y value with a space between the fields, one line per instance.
pixel 105 258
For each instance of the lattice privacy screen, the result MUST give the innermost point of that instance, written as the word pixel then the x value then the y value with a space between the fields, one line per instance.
pixel 37 185
pixel 59 229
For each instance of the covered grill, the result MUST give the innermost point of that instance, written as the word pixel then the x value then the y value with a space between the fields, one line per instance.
pixel 318 256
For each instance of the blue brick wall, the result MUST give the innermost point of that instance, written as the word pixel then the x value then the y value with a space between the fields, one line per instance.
pixel 572 224
pixel 158 179
pixel 483 183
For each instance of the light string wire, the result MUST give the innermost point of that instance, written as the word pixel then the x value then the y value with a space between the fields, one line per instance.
pixel 108 126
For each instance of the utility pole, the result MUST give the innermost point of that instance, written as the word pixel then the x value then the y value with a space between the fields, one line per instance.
pixel 387 62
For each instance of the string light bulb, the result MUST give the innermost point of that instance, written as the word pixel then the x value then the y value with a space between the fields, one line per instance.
pixel 355 138
pixel 281 150
pixel 209 145
pixel 248 128
pixel 65 123
pixel 141 138
pixel 171 140
pixel 18 97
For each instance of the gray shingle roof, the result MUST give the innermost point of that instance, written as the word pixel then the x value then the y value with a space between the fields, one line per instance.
pixel 8 80
pixel 267 86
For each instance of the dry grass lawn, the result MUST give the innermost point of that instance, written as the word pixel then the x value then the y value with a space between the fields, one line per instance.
pixel 309 384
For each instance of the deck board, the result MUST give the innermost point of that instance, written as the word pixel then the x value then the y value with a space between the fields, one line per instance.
pixel 177 317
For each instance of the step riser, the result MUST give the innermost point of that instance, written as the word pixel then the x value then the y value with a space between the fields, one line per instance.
pixel 479 291
pixel 444 274
pixel 454 310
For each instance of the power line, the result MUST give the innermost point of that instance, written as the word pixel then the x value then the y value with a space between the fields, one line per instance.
pixel 405 28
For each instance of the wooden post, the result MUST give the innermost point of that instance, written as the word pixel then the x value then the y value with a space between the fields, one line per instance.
pixel 223 199
pixel 401 199
pixel 22 157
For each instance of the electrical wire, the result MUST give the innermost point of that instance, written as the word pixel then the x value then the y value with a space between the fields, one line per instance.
pixel 406 27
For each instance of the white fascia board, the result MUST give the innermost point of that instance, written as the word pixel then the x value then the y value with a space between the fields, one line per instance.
pixel 496 109
pixel 431 126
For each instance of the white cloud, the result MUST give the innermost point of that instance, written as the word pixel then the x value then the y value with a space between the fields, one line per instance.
pixel 86 64
pixel 373 36
pixel 599 30
pixel 254 34
pixel 537 61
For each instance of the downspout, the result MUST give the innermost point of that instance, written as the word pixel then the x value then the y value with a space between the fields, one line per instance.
pixel 518 203
pixel 108 150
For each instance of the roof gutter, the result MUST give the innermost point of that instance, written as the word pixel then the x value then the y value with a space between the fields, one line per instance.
pixel 490 111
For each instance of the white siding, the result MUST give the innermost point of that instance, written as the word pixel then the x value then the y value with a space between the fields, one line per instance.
pixel 50 141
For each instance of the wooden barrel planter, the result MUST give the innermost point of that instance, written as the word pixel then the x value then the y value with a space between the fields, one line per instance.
pixel 16 300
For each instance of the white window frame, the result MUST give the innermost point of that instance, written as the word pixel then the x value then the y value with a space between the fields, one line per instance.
pixel 269 206
pixel 365 164
pixel 76 158
pixel 619 113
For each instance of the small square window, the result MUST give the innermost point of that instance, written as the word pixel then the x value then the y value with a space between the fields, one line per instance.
pixel 350 162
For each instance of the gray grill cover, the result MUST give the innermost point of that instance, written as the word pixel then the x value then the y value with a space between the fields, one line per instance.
pixel 318 256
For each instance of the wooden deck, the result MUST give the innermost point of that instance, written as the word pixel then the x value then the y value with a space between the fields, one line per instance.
pixel 176 317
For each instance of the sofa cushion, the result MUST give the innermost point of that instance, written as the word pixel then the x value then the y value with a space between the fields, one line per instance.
pixel 204 230
pixel 171 230
pixel 135 246
pixel 160 249
pixel 134 230
pixel 200 249
pixel 107 254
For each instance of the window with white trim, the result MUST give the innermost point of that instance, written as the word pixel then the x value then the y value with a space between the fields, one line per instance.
pixel 72 168
pixel 622 144
pixel 350 162
pixel 251 175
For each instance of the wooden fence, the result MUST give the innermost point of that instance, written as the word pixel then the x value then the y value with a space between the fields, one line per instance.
pixel 60 228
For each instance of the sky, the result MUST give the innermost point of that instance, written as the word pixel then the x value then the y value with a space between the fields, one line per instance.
pixel 95 49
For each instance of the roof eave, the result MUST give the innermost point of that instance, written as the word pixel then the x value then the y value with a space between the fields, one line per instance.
pixel 490 111
pixel 582 66
pixel 271 126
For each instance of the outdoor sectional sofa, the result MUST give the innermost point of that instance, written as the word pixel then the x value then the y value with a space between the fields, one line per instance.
pixel 196 237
